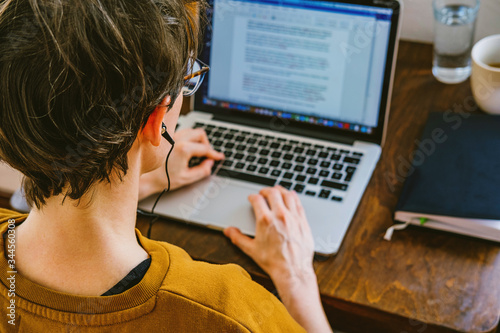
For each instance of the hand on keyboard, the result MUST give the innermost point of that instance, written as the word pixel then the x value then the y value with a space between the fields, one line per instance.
pixel 283 245
pixel 189 144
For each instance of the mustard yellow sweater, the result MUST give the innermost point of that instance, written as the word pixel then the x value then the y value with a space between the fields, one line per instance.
pixel 177 294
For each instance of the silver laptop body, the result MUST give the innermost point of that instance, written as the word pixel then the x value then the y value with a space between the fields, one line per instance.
pixel 259 52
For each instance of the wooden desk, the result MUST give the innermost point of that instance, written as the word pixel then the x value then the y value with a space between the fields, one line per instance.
pixel 423 280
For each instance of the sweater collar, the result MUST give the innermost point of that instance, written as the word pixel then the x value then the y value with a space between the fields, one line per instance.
pixel 40 295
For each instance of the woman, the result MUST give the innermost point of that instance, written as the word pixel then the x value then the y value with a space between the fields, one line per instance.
pixel 89 91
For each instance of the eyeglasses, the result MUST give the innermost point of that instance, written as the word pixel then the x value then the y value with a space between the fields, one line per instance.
pixel 193 80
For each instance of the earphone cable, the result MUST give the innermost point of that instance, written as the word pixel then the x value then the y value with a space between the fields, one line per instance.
pixel 154 217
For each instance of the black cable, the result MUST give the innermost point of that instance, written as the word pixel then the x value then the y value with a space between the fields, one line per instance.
pixel 156 216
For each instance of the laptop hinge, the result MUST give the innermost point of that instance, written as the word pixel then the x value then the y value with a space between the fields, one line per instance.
pixel 279 125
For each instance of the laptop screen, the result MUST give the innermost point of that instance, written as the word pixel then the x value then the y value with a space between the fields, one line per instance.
pixel 320 63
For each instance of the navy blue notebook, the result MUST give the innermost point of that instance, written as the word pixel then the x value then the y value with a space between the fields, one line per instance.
pixel 455 176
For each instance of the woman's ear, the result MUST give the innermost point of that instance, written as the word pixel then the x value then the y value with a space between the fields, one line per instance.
pixel 153 129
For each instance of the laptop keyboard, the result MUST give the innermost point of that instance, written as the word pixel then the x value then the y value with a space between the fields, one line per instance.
pixel 309 169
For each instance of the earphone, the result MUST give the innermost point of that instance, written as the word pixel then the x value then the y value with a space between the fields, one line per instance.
pixel 165 134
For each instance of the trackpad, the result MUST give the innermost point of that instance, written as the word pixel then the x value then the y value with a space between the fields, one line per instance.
pixel 227 205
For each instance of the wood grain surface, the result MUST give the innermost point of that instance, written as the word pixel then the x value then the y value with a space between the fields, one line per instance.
pixel 421 281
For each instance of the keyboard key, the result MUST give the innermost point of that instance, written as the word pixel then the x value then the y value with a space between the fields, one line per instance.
pixel 281 139
pixel 334 185
pixel 331 149
pixel 335 157
pixel 250 158
pixel 269 137
pixel 263 143
pixel 298 168
pixel 262 160
pixel 357 154
pixel 348 177
pixel 311 152
pixel 306 144
pixel 312 161
pixel 311 171
pixel 210 126
pixel 239 138
pixel 324 194
pixel 350 169
pixel 217 134
pixel 336 175
pixel 334 198
pixel 324 173
pixel 218 143
pixel 286 148
pixel 240 147
pixel 293 142
pixel 288 157
pixel 299 188
pixel 286 166
pixel 300 159
pixel 251 141
pixel 227 163
pixel 343 151
pixel 251 167
pixel 239 165
pixel 244 176
pixel 274 163
pixel 264 152
pixel 286 184
pixel 275 173
pixel 229 145
pixel 337 166
pixel 300 178
pixel 319 146
pixel 323 154
pixel 233 130
pixel 311 193
pixel 221 128
pixel 351 160
pixel 238 156
pixel 274 145
pixel 228 154
pixel 288 175
pixel 215 166
pixel 325 164
pixel 276 154
pixel 313 180
pixel 298 150
pixel 252 150
pixel 257 135
pixel 195 161
pixel 198 125
pixel 264 170
pixel 228 136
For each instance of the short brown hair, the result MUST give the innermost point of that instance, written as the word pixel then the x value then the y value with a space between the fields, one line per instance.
pixel 79 79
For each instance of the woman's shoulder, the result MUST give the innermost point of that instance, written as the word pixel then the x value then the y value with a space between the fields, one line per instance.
pixel 181 264
pixel 227 289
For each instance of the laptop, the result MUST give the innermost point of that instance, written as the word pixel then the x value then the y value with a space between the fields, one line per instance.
pixel 298 95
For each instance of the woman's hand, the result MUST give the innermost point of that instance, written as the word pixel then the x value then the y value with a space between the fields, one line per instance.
pixel 189 143
pixel 283 245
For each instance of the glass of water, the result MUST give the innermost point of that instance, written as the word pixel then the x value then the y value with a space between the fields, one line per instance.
pixel 454 26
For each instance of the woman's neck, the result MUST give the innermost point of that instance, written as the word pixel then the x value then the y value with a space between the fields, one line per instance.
pixel 83 247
